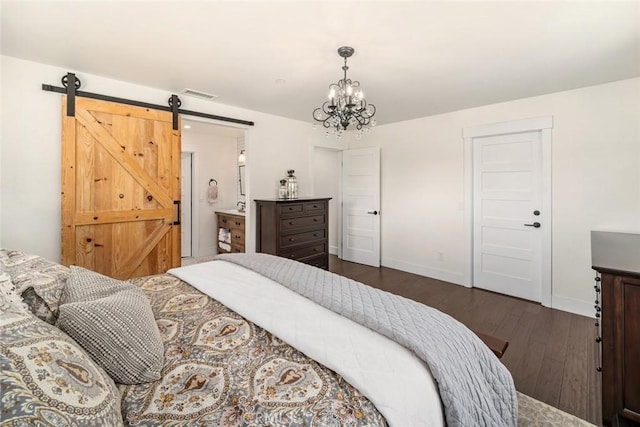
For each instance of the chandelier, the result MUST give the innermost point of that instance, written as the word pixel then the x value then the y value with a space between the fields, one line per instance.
pixel 346 105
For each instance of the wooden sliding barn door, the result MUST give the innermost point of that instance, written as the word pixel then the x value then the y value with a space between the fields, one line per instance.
pixel 120 189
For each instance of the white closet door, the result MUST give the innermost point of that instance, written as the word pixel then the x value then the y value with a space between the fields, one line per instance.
pixel 361 206
pixel 508 218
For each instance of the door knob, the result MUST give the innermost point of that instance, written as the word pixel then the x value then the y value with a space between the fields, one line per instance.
pixel 534 225
pixel 373 213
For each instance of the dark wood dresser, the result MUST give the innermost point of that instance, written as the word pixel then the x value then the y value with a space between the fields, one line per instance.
pixel 294 228
pixel 616 257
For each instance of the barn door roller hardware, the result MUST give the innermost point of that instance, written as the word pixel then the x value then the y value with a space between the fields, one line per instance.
pixel 71 84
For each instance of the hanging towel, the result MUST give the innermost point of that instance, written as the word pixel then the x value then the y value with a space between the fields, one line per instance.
pixel 212 194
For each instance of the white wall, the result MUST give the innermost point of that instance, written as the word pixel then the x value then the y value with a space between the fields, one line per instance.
pixel 30 151
pixel 596 170
pixel 215 158
pixel 596 182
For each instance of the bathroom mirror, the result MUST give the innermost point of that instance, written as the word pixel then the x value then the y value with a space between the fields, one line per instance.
pixel 241 179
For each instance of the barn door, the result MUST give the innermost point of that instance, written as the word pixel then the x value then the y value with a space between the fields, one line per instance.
pixel 120 189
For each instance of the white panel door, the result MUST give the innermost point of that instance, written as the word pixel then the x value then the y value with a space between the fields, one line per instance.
pixel 508 218
pixel 361 206
pixel 185 212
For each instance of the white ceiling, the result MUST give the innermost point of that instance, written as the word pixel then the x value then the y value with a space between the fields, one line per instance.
pixel 413 59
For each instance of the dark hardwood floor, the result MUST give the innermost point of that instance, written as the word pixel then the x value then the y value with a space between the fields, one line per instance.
pixel 551 355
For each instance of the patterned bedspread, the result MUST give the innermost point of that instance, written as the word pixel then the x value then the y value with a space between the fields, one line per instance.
pixel 223 370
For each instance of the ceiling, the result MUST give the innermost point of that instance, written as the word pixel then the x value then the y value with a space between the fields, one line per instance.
pixel 413 59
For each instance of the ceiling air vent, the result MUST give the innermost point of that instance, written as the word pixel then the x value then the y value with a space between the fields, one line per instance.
pixel 199 94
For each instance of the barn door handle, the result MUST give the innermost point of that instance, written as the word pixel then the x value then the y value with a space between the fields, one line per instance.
pixel 534 225
pixel 177 203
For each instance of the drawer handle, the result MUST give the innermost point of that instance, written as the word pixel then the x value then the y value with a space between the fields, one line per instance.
pixel 315 234
pixel 292 256
pixel 290 222
pixel 315 206
pixel 292 239
pixel 315 249
pixel 315 219
pixel 290 208
pixel 237 223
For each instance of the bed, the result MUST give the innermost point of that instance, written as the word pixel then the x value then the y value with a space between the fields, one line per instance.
pixel 255 340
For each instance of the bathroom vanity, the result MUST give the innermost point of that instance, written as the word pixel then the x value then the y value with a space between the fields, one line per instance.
pixel 231 226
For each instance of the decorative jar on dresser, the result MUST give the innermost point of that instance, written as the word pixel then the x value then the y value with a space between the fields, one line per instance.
pixel 297 229
pixel 230 231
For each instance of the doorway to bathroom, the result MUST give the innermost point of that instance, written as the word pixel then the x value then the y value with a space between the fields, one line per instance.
pixel 186 195
pixel 212 153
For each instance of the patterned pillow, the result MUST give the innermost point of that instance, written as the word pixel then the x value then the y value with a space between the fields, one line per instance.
pixel 39 281
pixel 113 322
pixel 46 379
pixel 9 299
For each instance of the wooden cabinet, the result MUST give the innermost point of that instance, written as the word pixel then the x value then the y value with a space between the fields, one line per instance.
pixel 230 232
pixel 620 347
pixel 296 229
pixel 616 256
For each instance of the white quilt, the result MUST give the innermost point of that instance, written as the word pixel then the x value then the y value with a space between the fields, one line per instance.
pixel 392 377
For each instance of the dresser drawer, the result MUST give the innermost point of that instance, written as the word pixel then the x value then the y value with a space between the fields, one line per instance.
pixel 314 206
pixel 231 223
pixel 299 238
pixel 293 208
pixel 309 251
pixel 302 222
pixel 237 249
pixel 237 236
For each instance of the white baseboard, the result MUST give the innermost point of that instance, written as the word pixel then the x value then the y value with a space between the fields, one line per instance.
pixel 422 270
pixel 333 250
pixel 573 305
